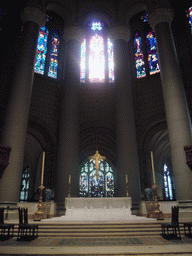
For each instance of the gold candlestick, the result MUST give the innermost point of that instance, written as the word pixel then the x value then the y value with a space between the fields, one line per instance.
pixel 40 214
pixel 69 189
pixel 158 214
pixel 126 183
pixel 152 164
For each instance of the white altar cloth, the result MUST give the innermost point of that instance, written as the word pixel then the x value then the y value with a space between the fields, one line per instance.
pixel 98 209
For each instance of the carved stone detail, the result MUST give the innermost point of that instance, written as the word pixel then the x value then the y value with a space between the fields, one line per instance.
pixel 188 152
pixel 73 33
pixel 120 32
pixel 4 158
pixel 33 14
pixel 160 15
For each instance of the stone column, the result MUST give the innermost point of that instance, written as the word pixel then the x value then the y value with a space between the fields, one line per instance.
pixel 127 155
pixel 68 149
pixel 176 108
pixel 15 125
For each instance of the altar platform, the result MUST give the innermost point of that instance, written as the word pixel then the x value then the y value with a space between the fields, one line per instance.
pixel 112 209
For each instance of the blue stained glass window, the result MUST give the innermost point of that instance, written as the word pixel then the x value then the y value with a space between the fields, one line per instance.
pixel 24 186
pixel 189 15
pixel 53 63
pixel 139 56
pixel 110 61
pixel 152 54
pixel 41 50
pixel 83 61
pixel 167 183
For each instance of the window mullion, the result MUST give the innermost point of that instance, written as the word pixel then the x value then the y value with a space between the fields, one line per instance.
pixel 49 44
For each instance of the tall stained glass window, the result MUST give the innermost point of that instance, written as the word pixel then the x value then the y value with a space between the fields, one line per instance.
pixel 145 50
pixel 110 61
pixel 41 50
pixel 168 190
pixel 53 61
pixel 152 54
pixel 92 186
pixel 97 64
pixel 139 56
pixel 83 61
pixel 189 15
pixel 24 186
pixel 47 53
pixel 96 59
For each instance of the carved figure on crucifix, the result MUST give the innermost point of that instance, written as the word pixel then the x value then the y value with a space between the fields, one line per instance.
pixel 97 157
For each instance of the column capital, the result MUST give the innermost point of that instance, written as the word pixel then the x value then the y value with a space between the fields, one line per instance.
pixel 120 32
pixel 34 14
pixel 160 15
pixel 73 33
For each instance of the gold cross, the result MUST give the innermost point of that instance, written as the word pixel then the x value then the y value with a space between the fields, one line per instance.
pixel 97 157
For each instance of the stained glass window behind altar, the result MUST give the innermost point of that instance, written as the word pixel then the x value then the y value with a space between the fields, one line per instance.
pixel 92 186
pixel 41 50
pixel 53 62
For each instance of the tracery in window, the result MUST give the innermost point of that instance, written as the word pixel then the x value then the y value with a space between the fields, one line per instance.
pixel 91 186
pixel 97 50
pixel 24 185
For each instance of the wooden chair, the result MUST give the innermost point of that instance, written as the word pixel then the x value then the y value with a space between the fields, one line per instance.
pixel 187 229
pixel 26 231
pixel 173 226
pixel 6 228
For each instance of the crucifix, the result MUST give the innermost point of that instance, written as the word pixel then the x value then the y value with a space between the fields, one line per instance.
pixel 97 157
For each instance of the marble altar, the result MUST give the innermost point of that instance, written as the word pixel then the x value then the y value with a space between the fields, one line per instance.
pixel 98 209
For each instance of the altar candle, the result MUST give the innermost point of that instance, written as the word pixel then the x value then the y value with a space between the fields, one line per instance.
pixel 126 178
pixel 69 179
pixel 153 170
pixel 43 164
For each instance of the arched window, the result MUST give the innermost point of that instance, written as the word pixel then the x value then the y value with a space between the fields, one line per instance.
pixel 25 185
pixel 90 185
pixel 189 15
pixel 97 64
pixel 47 52
pixel 139 56
pixel 145 50
pixel 168 188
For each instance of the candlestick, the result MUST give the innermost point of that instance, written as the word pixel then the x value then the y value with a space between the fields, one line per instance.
pixel 69 179
pixel 152 164
pixel 126 178
pixel 43 163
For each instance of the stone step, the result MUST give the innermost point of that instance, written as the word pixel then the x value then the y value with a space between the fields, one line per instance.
pixel 96 230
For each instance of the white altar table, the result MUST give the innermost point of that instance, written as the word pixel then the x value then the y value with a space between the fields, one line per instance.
pixel 100 208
